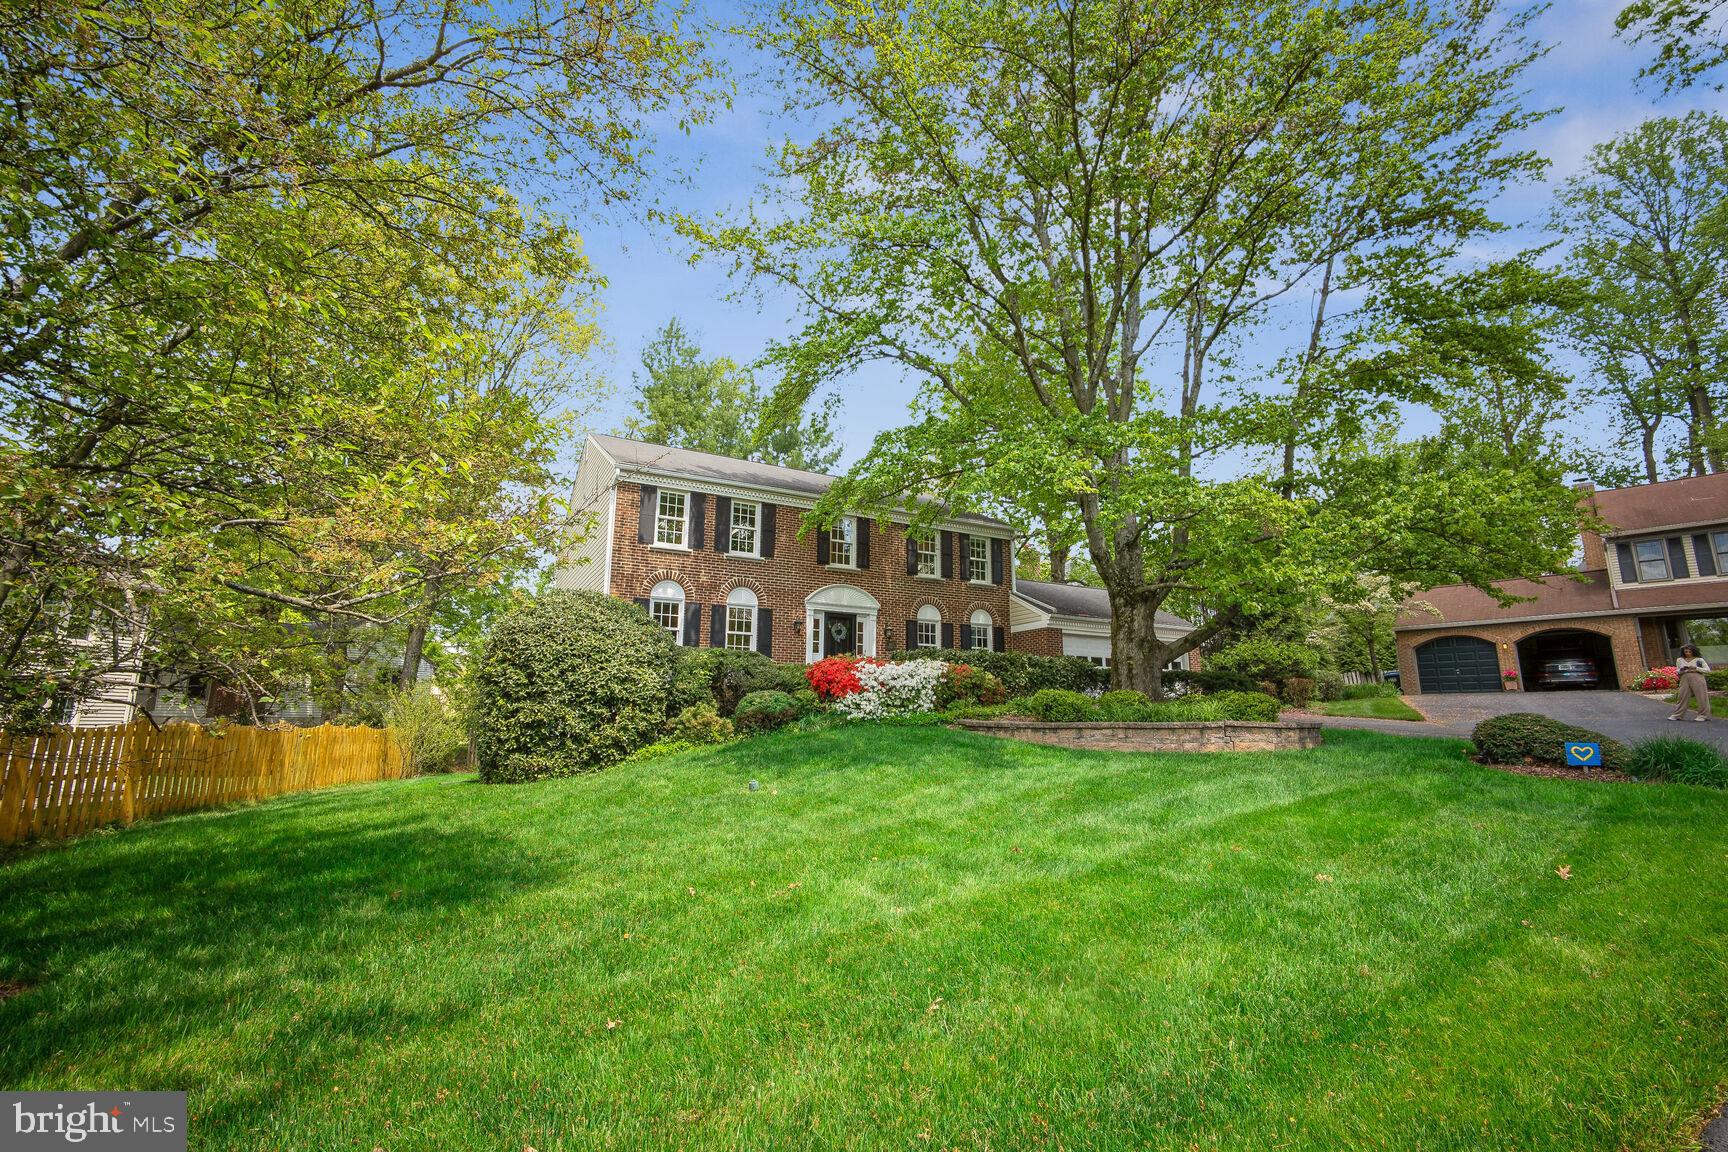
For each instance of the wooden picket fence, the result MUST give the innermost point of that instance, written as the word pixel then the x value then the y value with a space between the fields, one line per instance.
pixel 72 780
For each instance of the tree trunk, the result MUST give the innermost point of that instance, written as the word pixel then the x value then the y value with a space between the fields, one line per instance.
pixel 1137 655
pixel 1059 563
pixel 411 654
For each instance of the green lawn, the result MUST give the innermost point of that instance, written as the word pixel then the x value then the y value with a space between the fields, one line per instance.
pixel 907 938
pixel 1375 707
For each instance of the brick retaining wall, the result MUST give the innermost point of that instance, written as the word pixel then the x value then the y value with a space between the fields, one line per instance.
pixel 1207 736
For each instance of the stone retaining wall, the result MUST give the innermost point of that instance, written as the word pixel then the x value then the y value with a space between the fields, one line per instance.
pixel 1201 736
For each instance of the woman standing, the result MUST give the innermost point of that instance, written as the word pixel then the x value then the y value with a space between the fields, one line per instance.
pixel 1694 689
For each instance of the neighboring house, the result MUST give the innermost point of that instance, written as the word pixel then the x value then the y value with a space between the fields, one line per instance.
pixel 1657 578
pixel 1048 619
pixel 710 546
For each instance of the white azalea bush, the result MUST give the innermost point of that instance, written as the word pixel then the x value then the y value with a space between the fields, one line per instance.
pixel 892 688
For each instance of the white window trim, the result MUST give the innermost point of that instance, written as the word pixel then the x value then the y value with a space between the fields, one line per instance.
pixel 748 631
pixel 680 603
pixel 971 541
pixel 851 563
pixel 755 530
pixel 683 542
pixel 935 570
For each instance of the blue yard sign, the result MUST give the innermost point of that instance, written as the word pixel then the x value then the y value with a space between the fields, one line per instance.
pixel 1583 755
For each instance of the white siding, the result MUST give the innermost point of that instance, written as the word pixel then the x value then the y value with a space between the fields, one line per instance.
pixel 583 563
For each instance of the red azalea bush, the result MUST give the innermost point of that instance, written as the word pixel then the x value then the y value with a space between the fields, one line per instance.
pixel 1659 680
pixel 964 684
pixel 833 678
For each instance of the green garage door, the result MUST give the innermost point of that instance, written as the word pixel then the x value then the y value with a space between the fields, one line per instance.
pixel 1458 664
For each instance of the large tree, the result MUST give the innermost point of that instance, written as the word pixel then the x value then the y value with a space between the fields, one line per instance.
pixel 1075 222
pixel 1690 38
pixel 1647 225
pixel 251 265
pixel 711 404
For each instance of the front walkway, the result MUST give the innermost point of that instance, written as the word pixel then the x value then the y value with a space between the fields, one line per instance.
pixel 1625 716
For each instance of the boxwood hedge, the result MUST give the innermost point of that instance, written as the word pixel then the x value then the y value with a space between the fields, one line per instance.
pixel 568 682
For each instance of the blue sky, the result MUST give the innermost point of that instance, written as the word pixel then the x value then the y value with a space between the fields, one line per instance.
pixel 1588 74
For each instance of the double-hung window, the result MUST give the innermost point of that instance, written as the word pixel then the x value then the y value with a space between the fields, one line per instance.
pixel 746 518
pixel 741 619
pixel 1652 558
pixel 1719 544
pixel 843 542
pixel 666 607
pixel 929 627
pixel 926 554
pixel 978 560
pixel 672 519
pixel 980 626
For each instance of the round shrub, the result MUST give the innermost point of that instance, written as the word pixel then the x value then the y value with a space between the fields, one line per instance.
pixel 1261 658
pixel 1518 737
pixel 765 711
pixel 692 680
pixel 1717 679
pixel 1058 706
pixel 965 684
pixel 1678 759
pixel 568 682
pixel 807 701
pixel 699 724
pixel 1252 706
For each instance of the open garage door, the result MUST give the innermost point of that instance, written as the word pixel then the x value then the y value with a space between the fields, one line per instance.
pixel 1458 664
pixel 1567 658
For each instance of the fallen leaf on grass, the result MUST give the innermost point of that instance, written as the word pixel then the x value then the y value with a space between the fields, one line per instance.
pixel 1564 871
pixel 935 1005
pixel 611 1024
pixel 1323 877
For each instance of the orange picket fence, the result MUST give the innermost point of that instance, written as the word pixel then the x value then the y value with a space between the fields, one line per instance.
pixel 75 779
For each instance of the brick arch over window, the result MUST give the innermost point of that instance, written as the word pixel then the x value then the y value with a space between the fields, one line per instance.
pixel 659 574
pixel 738 582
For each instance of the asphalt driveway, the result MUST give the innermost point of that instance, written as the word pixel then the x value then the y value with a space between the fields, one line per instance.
pixel 1625 716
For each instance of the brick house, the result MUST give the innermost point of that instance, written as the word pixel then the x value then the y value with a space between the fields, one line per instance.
pixel 1655 579
pixel 711 547
pixel 1049 619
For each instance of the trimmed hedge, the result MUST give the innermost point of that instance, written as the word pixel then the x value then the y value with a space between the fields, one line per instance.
pixel 1518 737
pixel 1021 674
pixel 1128 707
pixel 724 676
pixel 766 711
pixel 568 682
pixel 1209 680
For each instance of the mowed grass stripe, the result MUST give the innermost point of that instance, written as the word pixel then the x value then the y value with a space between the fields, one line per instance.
pixel 949 942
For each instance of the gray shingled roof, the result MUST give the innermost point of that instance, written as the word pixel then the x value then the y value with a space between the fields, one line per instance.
pixel 1079 600
pixel 729 470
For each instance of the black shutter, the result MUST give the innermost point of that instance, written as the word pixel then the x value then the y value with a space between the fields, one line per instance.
pixel 717 627
pixel 822 546
pixel 645 522
pixel 965 631
pixel 1706 553
pixel 911 555
pixel 863 527
pixel 1628 567
pixel 995 561
pixel 1677 558
pixel 642 601
pixel 947 633
pixel 962 556
pixel 698 519
pixel 997 639
pixel 692 625
pixel 765 526
pixel 946 541
pixel 911 635
pixel 722 523
pixel 765 631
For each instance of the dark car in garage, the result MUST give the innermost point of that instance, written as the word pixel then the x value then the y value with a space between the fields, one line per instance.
pixel 1568 672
